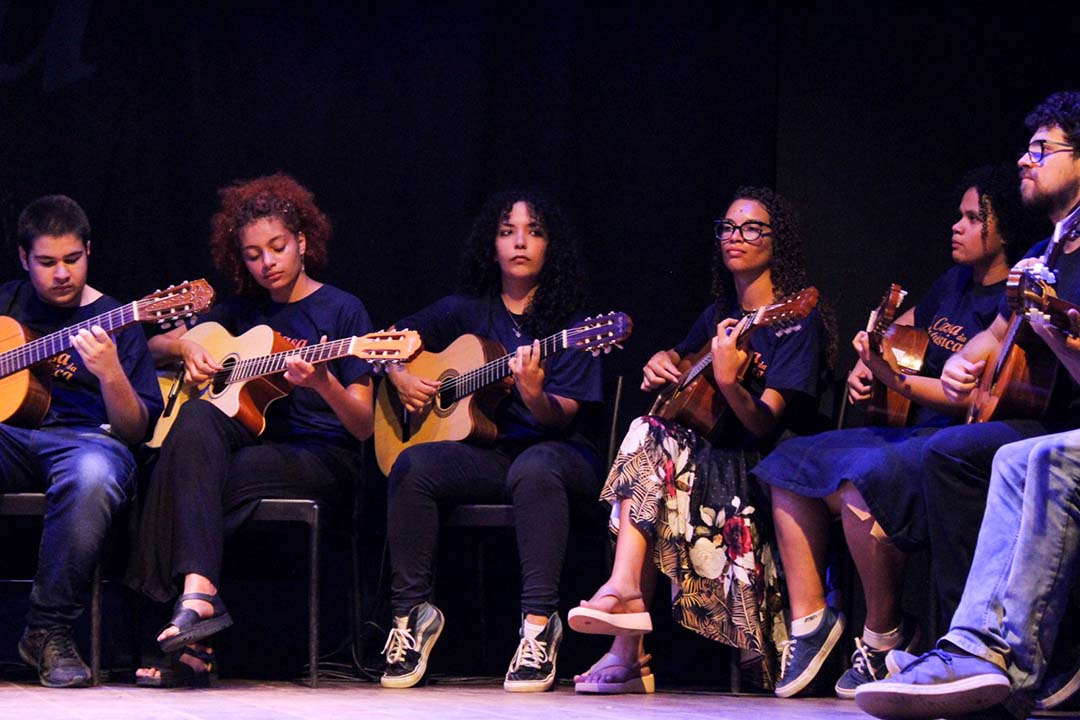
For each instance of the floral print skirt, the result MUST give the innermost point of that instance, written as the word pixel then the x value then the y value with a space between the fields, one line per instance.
pixel 713 535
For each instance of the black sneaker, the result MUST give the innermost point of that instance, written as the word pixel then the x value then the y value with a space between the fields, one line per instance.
pixel 409 645
pixel 533 666
pixel 868 664
pixel 53 653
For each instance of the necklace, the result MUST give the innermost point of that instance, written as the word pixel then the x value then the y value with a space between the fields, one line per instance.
pixel 514 320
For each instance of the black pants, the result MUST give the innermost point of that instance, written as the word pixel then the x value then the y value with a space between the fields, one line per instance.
pixel 540 482
pixel 206 483
pixel 958 461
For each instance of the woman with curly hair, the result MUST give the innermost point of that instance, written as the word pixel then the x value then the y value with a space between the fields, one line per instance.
pixel 267 237
pixel 871 478
pixel 685 501
pixel 521 280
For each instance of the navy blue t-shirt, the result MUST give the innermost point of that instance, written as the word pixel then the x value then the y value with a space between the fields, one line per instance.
pixel 791 359
pixel 303 415
pixel 76 392
pixel 952 312
pixel 570 374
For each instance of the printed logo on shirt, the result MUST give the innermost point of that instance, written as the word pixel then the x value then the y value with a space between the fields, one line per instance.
pixel 757 366
pixel 295 343
pixel 948 335
pixel 63 368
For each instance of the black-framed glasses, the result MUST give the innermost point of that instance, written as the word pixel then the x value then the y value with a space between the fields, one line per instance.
pixel 753 232
pixel 1036 149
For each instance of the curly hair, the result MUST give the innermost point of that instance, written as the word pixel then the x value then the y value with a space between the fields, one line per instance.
pixel 788 269
pixel 1063 110
pixel 278 196
pixel 998 187
pixel 560 291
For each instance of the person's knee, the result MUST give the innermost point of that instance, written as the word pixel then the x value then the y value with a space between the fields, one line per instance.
pixel 415 468
pixel 96 481
pixel 541 467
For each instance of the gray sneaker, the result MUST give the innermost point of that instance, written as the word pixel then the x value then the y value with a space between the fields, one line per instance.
pixel 533 666
pixel 52 652
pixel 409 645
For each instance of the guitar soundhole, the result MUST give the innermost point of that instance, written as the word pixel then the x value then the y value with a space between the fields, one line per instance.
pixel 220 380
pixel 447 397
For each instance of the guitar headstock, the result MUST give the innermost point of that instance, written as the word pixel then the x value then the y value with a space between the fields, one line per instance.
pixel 601 333
pixel 176 302
pixel 787 312
pixel 387 347
pixel 883 315
pixel 1030 292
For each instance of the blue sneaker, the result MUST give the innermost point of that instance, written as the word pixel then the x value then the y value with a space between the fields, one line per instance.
pixel 869 664
pixel 897 660
pixel 938 683
pixel 802 657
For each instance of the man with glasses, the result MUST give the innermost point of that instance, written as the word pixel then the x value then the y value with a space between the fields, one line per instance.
pixel 1025 562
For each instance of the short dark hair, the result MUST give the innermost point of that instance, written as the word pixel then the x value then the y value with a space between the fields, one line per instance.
pixel 1063 110
pixel 52 215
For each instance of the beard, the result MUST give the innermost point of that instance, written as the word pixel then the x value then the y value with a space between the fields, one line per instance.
pixel 1056 203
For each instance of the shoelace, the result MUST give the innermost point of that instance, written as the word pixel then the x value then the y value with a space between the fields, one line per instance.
pixel 398 642
pixel 787 649
pixel 860 660
pixel 62 645
pixel 531 653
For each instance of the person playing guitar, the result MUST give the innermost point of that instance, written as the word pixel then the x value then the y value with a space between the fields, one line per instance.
pixel 267 237
pixel 103 398
pixel 870 477
pixel 522 279
pixel 685 500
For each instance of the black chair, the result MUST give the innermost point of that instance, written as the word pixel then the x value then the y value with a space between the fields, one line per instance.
pixel 36 505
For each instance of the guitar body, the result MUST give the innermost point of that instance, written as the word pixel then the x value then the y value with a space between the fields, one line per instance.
pixel 1019 384
pixel 696 404
pixel 246 400
pixel 468 418
pixel 904 348
pixel 24 395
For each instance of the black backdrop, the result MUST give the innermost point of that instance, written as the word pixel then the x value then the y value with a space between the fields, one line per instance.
pixel 644 119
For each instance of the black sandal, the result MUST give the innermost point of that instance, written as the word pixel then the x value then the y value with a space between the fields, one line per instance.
pixel 174 672
pixel 191 625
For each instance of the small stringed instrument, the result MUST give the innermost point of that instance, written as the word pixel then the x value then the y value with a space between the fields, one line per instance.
pixel 24 379
pixel 695 401
pixel 903 347
pixel 466 400
pixel 1019 382
pixel 253 366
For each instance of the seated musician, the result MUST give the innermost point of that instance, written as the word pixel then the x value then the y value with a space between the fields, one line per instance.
pixel 521 280
pixel 686 502
pixel 103 398
pixel 267 237
pixel 1023 557
pixel 871 477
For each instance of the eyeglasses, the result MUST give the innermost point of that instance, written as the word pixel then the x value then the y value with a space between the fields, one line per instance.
pixel 1036 149
pixel 753 231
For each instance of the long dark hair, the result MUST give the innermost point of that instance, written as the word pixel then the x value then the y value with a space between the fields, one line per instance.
pixel 560 291
pixel 788 268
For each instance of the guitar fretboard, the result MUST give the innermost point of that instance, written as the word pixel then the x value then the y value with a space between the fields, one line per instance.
pixel 277 362
pixel 455 388
pixel 57 342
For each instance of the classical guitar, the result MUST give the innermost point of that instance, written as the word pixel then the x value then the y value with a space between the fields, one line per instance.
pixel 24 378
pixel 254 363
pixel 1019 382
pixel 903 347
pixel 695 401
pixel 467 398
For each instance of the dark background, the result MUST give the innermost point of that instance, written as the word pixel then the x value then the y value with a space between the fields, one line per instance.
pixel 643 117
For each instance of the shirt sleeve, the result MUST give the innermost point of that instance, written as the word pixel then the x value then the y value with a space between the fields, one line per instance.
pixel 796 359
pixel 139 367
pixel 353 320
pixel 701 332
pixel 439 324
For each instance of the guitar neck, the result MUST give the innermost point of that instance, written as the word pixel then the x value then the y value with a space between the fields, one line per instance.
pixel 452 389
pixel 54 343
pixel 705 360
pixel 251 368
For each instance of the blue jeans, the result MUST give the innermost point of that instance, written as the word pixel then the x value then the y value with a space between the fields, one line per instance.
pixel 1025 561
pixel 87 477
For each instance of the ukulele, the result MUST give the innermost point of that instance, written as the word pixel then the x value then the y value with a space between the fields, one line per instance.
pixel 695 401
pixel 254 363
pixel 903 347
pixel 24 380
pixel 466 399
pixel 1019 382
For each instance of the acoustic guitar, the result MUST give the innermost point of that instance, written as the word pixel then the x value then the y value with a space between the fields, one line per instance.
pixel 24 379
pixel 467 398
pixel 695 401
pixel 903 347
pixel 254 363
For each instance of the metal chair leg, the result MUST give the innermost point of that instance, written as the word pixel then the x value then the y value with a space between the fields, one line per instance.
pixel 95 627
pixel 313 599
